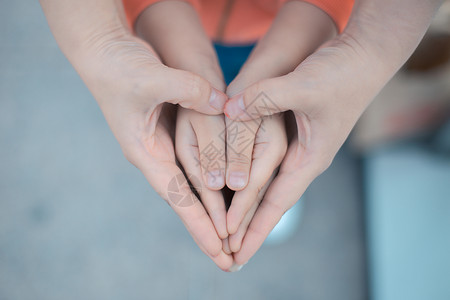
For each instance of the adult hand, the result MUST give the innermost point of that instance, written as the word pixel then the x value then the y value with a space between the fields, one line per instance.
pixel 311 27
pixel 327 93
pixel 199 138
pixel 132 86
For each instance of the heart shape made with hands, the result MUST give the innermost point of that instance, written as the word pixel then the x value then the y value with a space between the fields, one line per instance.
pixel 231 162
pixel 163 96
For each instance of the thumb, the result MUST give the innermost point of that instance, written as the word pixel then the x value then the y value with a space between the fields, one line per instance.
pixel 264 98
pixel 189 91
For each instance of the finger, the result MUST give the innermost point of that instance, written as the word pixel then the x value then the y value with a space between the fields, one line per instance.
pixel 188 154
pixel 187 89
pixel 299 29
pixel 184 45
pixel 224 260
pixel 197 221
pixel 210 135
pixel 269 150
pixel 170 183
pixel 235 239
pixel 240 140
pixel 288 186
pixel 226 246
pixel 267 97
pixel 189 209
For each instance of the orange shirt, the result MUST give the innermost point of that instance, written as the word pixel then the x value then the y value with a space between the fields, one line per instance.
pixel 242 21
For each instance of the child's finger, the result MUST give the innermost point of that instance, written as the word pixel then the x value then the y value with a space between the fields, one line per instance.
pixel 210 134
pixel 187 151
pixel 240 141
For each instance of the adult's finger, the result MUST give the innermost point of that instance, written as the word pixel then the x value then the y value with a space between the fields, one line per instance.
pixel 269 96
pixel 183 45
pixel 286 189
pixel 226 246
pixel 268 152
pixel 235 239
pixel 171 184
pixel 187 89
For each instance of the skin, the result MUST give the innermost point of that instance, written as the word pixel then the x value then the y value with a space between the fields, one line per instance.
pixel 311 28
pixel 133 88
pixel 195 131
pixel 136 90
pixel 327 93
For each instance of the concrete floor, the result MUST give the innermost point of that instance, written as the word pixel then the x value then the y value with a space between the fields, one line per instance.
pixel 77 221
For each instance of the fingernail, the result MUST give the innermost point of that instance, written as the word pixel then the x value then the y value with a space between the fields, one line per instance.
pixel 237 180
pixel 235 107
pixel 217 100
pixel 235 268
pixel 215 179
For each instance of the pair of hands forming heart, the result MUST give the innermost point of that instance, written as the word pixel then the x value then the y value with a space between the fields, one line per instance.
pixel 243 155
pixel 137 85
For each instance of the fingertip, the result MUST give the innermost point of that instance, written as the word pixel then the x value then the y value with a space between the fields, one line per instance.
pixel 223 261
pixel 226 246
pixel 225 111
pixel 232 223
pixel 215 179
pixel 240 258
pixel 213 246
pixel 235 107
pixel 221 229
pixel 235 241
pixel 217 100
pixel 216 249
pixel 237 180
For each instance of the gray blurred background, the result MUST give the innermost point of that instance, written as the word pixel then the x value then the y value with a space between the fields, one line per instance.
pixel 77 221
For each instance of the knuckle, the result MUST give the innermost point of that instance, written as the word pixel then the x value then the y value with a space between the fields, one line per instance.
pixel 194 86
pixel 253 91
pixel 239 161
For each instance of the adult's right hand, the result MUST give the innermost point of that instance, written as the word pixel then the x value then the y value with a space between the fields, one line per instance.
pixel 133 89
pixel 326 94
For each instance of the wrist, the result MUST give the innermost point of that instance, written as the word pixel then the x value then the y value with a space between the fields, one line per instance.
pixel 76 25
pixel 389 31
